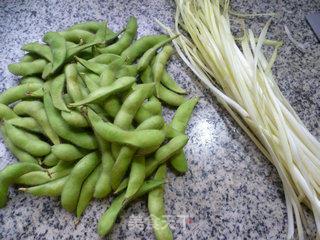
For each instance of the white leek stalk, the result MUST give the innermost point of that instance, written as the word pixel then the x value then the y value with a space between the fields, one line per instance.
pixel 242 81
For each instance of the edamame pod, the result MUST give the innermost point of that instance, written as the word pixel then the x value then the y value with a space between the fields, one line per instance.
pixel 27 123
pixel 165 152
pixel 131 105
pixel 136 177
pixel 127 70
pixel 169 83
pixel 6 112
pixel 67 152
pixel 162 155
pixel 125 39
pixel 19 153
pixel 75 119
pixel 22 140
pixel 103 185
pixel 126 153
pixel 160 61
pixel 146 58
pixel 50 189
pixel 50 160
pixel 153 106
pixel 95 67
pixel 165 94
pixel 19 92
pixel 179 122
pixel 87 190
pixel 77 35
pixel 36 110
pixel 58 48
pixel 80 138
pixel 156 208
pixel 73 88
pixel 108 219
pixel 56 91
pixel 39 49
pixel 29 57
pixel 28 68
pixel 71 190
pixel 99 37
pixel 102 93
pixel 10 173
pixel 112 133
pixel 37 177
pixel 31 79
pixel 140 46
pixel 90 26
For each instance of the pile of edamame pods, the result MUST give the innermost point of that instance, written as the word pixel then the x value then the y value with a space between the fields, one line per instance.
pixel 88 122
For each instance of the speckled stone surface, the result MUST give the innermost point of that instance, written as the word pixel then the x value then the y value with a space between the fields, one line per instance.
pixel 231 191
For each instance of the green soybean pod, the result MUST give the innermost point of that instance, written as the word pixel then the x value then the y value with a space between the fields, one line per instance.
pixel 103 185
pixel 163 154
pixel 56 91
pixel 17 152
pixel 19 92
pixel 138 47
pixel 26 123
pixel 112 133
pixel 71 190
pixel 80 138
pixel 125 39
pixel 112 104
pixel 77 35
pixel 170 97
pixel 87 190
pixel 160 61
pixel 75 119
pixel 136 177
pixel 153 106
pixel 108 219
pixel 90 26
pixel 126 153
pixel 156 208
pixel 35 178
pixel 31 79
pixel 39 49
pixel 29 57
pixel 106 58
pixel 131 105
pixel 179 122
pixel 146 58
pixel 58 48
pixel 6 112
pixel 127 70
pixel 73 88
pixel 50 189
pixel 36 110
pixel 19 138
pixel 67 152
pixel 50 160
pixel 170 132
pixel 103 93
pixel 183 114
pixel 27 68
pixel 169 83
pixel 99 37
pixel 72 48
pixel 10 173
pixel 95 67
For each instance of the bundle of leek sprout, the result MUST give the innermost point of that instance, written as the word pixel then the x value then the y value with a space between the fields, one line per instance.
pixel 243 82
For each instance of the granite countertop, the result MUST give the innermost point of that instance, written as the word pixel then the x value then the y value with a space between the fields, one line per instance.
pixel 230 191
